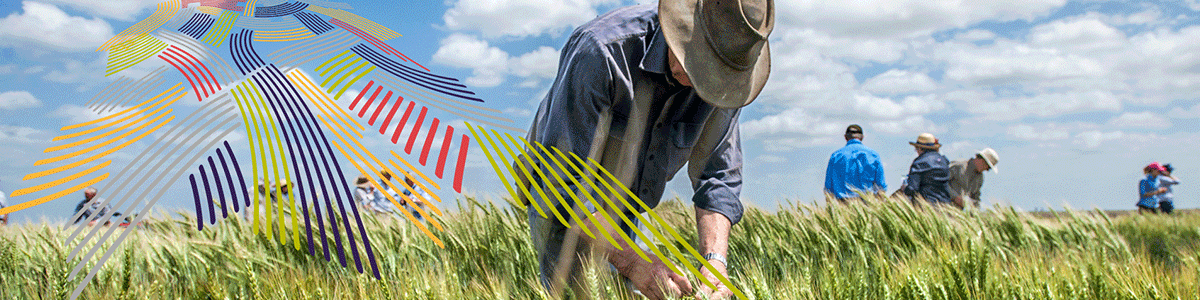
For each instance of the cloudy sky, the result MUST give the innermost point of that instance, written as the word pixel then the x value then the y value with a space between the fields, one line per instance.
pixel 1076 96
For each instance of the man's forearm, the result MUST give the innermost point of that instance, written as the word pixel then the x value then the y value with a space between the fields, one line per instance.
pixel 713 231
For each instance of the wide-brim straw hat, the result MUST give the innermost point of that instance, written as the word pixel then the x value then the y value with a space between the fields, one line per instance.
pixel 926 141
pixel 362 182
pixel 990 157
pixel 722 46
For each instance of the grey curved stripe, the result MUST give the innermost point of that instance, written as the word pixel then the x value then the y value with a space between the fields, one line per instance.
pixel 141 215
pixel 346 40
pixel 116 95
pixel 205 52
pixel 147 203
pixel 324 52
pixel 301 45
pixel 329 4
pixel 260 24
pixel 138 94
pixel 126 177
pixel 473 106
pixel 106 91
pixel 180 17
pixel 431 103
pixel 121 96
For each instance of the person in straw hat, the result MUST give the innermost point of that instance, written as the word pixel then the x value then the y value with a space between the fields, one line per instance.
pixel 370 198
pixel 966 176
pixel 643 90
pixel 929 175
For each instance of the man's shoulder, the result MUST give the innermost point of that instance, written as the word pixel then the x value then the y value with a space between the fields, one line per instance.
pixel 618 24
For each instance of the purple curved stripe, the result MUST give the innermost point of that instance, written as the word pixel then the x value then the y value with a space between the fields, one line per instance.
pixel 309 172
pixel 389 65
pixel 220 190
pixel 238 169
pixel 271 73
pixel 363 49
pixel 229 181
pixel 253 53
pixel 374 57
pixel 196 196
pixel 419 72
pixel 196 27
pixel 242 50
pixel 212 215
pixel 313 22
pixel 235 52
pixel 288 136
pixel 280 10
pixel 345 187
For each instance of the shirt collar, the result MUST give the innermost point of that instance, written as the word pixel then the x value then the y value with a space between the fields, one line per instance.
pixel 655 59
pixel 853 141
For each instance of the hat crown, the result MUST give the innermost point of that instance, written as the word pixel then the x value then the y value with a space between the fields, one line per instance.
pixel 737 30
pixel 926 138
pixel 990 156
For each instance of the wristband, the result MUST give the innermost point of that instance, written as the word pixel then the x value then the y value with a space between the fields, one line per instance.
pixel 716 257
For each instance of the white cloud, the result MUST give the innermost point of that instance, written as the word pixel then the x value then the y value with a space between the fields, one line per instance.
pixel 1093 139
pixel 75 114
pixel 124 10
pixel 1086 33
pixel 884 18
pixel 976 35
pixel 20 134
pixel 14 100
pixel 896 81
pixel 1180 113
pixel 1048 132
pixel 1046 105
pixel 85 74
pixel 520 18
pixel 5 69
pixel 491 65
pixel 35 69
pixel 48 26
pixel 1144 119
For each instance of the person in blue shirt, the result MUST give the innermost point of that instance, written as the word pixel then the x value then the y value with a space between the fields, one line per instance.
pixel 1149 189
pixel 854 168
pixel 1166 200
pixel 929 175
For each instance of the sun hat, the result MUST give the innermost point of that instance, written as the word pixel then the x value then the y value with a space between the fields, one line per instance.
pixel 722 45
pixel 990 157
pixel 926 141
pixel 362 181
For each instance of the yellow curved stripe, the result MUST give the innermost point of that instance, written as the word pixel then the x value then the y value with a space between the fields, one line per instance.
pixel 503 178
pixel 418 182
pixel 516 176
pixel 39 201
pixel 322 66
pixel 529 176
pixel 561 182
pixel 287 175
pixel 603 195
pixel 161 16
pixel 418 171
pixel 240 96
pixel 286 39
pixel 97 156
pixel 40 187
pixel 62 137
pixel 123 112
pixel 305 82
pixel 214 11
pixel 379 31
pixel 249 10
pixel 280 32
pixel 325 84
pixel 105 143
pixel 678 238
pixel 97 137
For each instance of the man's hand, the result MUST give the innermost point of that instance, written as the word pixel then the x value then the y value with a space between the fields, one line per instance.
pixel 958 202
pixel 654 279
pixel 722 292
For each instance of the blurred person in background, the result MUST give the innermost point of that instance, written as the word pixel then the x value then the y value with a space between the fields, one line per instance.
pixel 929 175
pixel 1148 189
pixel 966 177
pixel 419 201
pixel 3 204
pixel 370 198
pixel 1166 200
pixel 854 168
pixel 92 208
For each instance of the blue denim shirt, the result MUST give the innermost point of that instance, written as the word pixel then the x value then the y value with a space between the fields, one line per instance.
pixel 854 168
pixel 929 177
pixel 614 101
pixel 1148 184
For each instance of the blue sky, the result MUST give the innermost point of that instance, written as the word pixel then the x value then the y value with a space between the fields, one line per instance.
pixel 1076 96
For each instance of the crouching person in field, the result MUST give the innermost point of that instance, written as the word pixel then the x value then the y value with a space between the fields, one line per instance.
pixel 966 177
pixel 644 90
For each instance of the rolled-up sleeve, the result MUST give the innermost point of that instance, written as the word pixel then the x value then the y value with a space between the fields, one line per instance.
pixel 717 174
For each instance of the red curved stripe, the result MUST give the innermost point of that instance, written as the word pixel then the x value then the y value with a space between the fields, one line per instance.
pixel 190 81
pixel 360 94
pixel 194 73
pixel 379 108
pixel 412 137
pixel 388 119
pixel 433 127
pixel 369 101
pixel 441 164
pixel 403 121
pixel 214 83
pixel 462 162
pixel 369 38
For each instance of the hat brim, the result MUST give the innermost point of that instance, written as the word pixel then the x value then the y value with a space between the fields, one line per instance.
pixel 715 82
pixel 935 146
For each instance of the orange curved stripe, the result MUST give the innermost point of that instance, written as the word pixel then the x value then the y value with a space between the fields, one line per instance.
pixel 38 188
pixel 69 127
pixel 39 201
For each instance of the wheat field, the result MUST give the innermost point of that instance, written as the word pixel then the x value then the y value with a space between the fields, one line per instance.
pixel 885 250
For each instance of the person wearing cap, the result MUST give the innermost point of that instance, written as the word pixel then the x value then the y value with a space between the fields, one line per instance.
pixel 966 176
pixel 3 204
pixel 370 198
pixel 1166 200
pixel 643 90
pixel 929 175
pixel 91 208
pixel 854 168
pixel 1149 189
